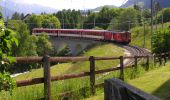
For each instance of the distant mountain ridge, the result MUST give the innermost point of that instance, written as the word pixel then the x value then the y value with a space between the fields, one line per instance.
pixel 9 7
pixel 146 3
pixel 99 8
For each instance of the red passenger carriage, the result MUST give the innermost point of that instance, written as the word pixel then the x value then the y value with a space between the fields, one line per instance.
pixel 103 35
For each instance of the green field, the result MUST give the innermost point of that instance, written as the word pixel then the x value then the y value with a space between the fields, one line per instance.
pixel 156 82
pixel 36 91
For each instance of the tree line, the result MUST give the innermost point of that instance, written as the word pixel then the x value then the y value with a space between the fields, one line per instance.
pixel 106 18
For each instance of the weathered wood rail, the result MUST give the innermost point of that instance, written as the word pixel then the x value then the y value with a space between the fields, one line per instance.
pixel 46 60
pixel 115 89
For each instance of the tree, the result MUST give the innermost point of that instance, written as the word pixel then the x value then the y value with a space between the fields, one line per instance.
pixel 14 24
pixel 0 15
pixel 91 21
pixel 161 41
pixel 7 40
pixel 165 13
pixel 27 43
pixel 44 46
pixel 50 21
pixel 127 18
pixel 34 21
pixel 98 28
pixel 146 13
pixel 69 18
pixel 137 7
pixel 101 19
pixel 65 51
pixel 16 16
pixel 105 16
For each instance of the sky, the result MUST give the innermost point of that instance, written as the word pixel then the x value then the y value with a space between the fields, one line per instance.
pixel 73 4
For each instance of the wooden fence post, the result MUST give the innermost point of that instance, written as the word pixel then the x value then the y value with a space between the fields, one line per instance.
pixel 92 75
pixel 136 61
pixel 168 55
pixel 160 60
pixel 165 60
pixel 121 68
pixel 154 59
pixel 47 78
pixel 147 62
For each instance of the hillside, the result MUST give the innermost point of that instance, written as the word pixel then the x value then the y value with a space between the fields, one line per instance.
pixel 147 3
pixel 137 35
pixel 99 8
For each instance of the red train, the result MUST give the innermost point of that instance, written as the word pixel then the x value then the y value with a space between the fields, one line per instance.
pixel 104 35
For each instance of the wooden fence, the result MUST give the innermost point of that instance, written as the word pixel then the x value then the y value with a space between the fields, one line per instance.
pixel 115 89
pixel 46 60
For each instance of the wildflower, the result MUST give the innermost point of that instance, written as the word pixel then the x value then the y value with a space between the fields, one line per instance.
pixel 2 29
pixel 2 62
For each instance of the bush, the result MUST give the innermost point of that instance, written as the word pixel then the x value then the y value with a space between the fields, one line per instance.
pixel 161 41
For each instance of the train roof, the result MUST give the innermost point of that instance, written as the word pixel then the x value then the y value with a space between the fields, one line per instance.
pixel 72 29
pixel 80 30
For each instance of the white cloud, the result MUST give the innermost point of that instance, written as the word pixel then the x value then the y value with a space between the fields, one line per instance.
pixel 76 4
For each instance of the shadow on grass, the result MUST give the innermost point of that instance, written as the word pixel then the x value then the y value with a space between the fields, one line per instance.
pixel 163 91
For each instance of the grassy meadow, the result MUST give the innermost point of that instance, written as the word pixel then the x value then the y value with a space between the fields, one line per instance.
pixel 36 91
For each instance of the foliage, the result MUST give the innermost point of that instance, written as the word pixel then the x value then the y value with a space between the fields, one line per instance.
pixel 127 18
pixel 70 19
pixel 34 21
pixel 42 21
pixel 65 51
pixel 101 19
pixel 98 28
pixel 90 21
pixel 161 41
pixel 44 46
pixel 6 42
pixel 0 15
pixel 165 14
pixel 146 13
pixel 27 43
pixel 6 82
pixel 17 16
pixel 138 36
pixel 50 21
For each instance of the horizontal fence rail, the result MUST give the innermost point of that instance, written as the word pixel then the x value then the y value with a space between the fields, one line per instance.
pixel 46 60
pixel 116 89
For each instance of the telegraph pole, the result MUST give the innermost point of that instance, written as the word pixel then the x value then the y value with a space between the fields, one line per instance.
pixel 162 19
pixel 151 23
pixel 63 23
pixel 94 23
pixel 144 31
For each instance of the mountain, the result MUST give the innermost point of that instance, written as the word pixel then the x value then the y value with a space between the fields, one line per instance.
pixel 99 8
pixel 10 6
pixel 146 3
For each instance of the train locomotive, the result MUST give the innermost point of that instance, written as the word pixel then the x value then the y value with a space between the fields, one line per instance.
pixel 101 35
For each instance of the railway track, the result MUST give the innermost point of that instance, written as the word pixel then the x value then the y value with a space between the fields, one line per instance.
pixel 134 51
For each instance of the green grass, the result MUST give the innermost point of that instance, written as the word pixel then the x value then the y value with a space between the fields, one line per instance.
pixel 137 36
pixel 156 82
pixel 36 91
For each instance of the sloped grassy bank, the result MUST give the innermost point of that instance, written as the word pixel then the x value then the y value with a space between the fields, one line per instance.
pixel 36 91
